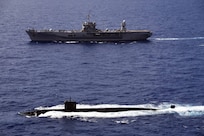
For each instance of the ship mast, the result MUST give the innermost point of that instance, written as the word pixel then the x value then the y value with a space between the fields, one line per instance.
pixel 89 16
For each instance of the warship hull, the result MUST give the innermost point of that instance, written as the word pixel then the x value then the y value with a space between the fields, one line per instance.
pixel 68 36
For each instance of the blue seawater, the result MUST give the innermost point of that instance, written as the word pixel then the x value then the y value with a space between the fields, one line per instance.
pixel 167 69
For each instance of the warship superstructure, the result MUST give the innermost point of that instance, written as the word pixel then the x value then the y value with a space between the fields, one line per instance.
pixel 89 33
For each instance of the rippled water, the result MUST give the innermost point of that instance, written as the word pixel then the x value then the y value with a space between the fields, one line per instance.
pixel 167 69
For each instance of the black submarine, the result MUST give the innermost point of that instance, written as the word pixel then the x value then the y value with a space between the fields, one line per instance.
pixel 70 106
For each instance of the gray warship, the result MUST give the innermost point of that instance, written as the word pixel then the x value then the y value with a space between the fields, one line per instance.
pixel 89 33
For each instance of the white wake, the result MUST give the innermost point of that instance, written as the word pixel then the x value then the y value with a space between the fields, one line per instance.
pixel 164 108
pixel 179 39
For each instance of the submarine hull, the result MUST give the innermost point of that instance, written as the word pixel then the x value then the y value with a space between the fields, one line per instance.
pixel 38 112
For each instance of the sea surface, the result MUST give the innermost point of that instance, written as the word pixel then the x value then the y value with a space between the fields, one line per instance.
pixel 167 69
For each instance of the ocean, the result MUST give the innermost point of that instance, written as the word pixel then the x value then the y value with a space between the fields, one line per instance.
pixel 167 69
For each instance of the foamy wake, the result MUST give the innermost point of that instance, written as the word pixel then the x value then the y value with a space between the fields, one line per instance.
pixel 201 45
pixel 164 108
pixel 179 39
